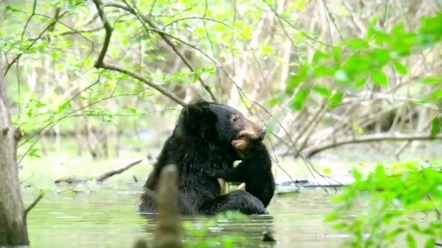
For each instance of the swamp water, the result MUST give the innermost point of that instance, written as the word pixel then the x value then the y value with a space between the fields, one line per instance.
pixel 105 216
pixel 109 219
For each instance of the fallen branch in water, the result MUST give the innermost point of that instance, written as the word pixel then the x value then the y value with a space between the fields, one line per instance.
pixel 103 177
pixel 310 151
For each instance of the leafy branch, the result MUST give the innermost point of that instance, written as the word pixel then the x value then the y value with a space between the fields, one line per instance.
pixel 101 64
pixel 50 26
pixel 144 19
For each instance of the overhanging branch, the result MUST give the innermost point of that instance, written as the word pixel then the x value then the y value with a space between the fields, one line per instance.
pixel 101 64
pixel 310 151
pixel 164 36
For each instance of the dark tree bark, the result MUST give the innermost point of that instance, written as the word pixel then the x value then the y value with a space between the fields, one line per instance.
pixel 13 229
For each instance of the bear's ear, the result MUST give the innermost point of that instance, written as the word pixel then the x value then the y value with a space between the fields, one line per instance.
pixel 202 102
pixel 196 117
pixel 191 113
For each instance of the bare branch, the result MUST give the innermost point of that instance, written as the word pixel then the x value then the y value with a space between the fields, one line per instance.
pixel 102 177
pixel 118 171
pixel 144 19
pixel 108 34
pixel 217 63
pixel 309 152
pixel 100 61
pixel 155 86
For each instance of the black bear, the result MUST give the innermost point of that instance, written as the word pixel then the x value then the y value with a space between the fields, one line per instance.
pixel 201 140
pixel 255 170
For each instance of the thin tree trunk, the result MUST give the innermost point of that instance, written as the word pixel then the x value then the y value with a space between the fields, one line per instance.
pixel 13 229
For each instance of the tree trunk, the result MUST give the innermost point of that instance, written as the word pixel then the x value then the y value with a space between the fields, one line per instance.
pixel 12 218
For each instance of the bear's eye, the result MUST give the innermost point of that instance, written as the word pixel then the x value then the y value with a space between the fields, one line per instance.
pixel 235 118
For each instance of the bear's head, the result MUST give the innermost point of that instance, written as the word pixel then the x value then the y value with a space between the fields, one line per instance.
pixel 219 122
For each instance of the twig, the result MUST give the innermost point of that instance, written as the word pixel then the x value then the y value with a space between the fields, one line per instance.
pixel 30 207
pixel 104 176
pixel 310 128
pixel 309 152
pixel 100 60
pixel 217 63
pixel 117 171
pixel 140 78
pixel 8 67
pixel 145 19
pixel 164 36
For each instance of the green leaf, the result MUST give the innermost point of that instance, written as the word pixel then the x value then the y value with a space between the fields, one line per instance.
pixel 56 56
pixel 361 82
pixel 296 80
pixel 379 36
pixel 331 217
pixel 337 54
pixel 65 106
pixel 356 175
pixel 327 171
pixel 411 241
pixel 431 80
pixel 357 44
pixel 398 30
pixel 133 110
pixel 272 102
pixel 431 243
pixel 437 95
pixel 379 78
pixel 435 127
pixel 322 91
pixel 267 50
pixel 195 77
pixel 336 100
pixel 400 68
pixel 29 114
pixel 40 104
pixel 379 58
pixel 10 9
pixel 321 71
pixel 319 55
pixel 393 234
pixel 340 226
pixel 300 98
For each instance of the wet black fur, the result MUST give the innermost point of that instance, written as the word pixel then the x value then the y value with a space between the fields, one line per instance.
pixel 200 141
pixel 255 171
